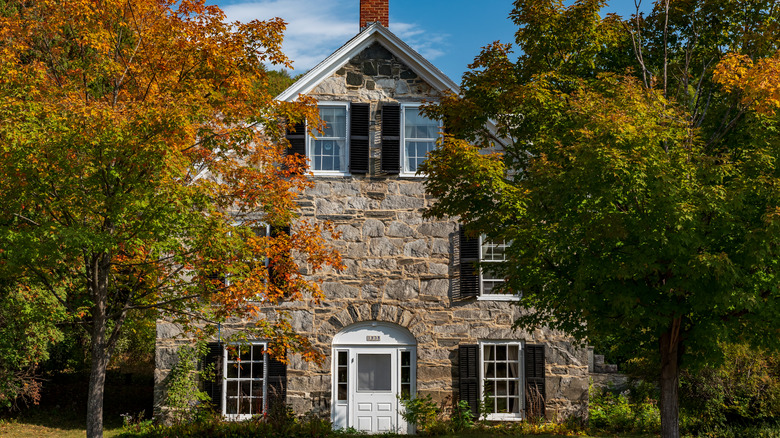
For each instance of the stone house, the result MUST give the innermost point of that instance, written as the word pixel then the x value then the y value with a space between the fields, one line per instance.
pixel 410 314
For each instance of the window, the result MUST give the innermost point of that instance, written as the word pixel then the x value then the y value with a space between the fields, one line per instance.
pixel 492 253
pixel 483 282
pixel 501 376
pixel 245 381
pixel 327 150
pixel 244 386
pixel 342 374
pixel 509 375
pixel 419 137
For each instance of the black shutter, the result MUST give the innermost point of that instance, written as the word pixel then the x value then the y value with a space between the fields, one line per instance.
pixel 212 385
pixel 535 393
pixel 468 367
pixel 358 137
pixel 469 275
pixel 277 383
pixel 391 138
pixel 297 139
pixel 276 231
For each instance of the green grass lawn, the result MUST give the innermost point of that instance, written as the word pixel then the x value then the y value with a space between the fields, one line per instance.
pixel 54 424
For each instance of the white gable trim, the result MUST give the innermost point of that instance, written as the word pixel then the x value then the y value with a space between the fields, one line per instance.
pixel 374 33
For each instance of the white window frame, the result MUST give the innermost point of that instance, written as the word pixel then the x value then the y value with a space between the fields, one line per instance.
pixel 404 171
pixel 482 294
pixel 494 416
pixel 225 381
pixel 311 138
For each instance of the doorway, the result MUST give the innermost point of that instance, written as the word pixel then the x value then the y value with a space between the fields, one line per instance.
pixel 374 365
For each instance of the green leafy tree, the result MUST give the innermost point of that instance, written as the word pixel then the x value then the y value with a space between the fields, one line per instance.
pixel 639 186
pixel 140 150
pixel 28 327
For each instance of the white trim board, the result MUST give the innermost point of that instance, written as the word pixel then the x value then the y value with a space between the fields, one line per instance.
pixel 374 33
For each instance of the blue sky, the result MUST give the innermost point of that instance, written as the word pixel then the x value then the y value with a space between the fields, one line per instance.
pixel 449 33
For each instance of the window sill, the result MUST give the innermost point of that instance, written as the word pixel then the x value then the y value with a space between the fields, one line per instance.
pixel 412 175
pixel 505 417
pixel 321 173
pixel 239 417
pixel 498 298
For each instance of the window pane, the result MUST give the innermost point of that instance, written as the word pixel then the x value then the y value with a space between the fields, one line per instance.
pixel 232 389
pixel 501 369
pixel 232 370
pixel 328 150
pixel 257 370
pixel 490 370
pixel 374 372
pixel 406 375
pixel 257 404
pixel 246 388
pixel 500 352
pixel 514 405
pixel 257 388
pixel 342 391
pixel 342 358
pixel 501 405
pixel 244 405
pixel 406 358
pixel 231 405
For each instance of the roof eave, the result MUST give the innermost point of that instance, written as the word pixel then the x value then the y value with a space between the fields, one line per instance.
pixel 373 33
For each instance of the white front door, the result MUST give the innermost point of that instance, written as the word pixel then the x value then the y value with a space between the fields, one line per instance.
pixel 373 367
pixel 376 388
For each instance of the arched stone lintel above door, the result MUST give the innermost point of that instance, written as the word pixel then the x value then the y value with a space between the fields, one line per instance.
pixel 368 333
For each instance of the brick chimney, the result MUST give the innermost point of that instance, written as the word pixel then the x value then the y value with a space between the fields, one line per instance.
pixel 374 10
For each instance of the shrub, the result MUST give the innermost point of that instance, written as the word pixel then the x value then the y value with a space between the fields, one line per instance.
pixel 422 412
pixel 183 398
pixel 744 389
pixel 634 411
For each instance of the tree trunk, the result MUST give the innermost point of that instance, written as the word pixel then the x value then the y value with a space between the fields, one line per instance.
pixel 97 383
pixel 98 272
pixel 669 348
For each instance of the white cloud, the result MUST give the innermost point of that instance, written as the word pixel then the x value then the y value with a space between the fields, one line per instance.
pixel 429 44
pixel 316 28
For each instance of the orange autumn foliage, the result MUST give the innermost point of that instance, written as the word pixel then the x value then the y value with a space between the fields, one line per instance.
pixel 140 150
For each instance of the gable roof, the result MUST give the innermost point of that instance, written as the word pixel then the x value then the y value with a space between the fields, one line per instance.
pixel 373 33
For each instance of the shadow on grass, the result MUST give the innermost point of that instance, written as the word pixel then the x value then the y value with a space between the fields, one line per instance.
pixel 64 401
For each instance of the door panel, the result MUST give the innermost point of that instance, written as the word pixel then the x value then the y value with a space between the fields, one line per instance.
pixel 373 377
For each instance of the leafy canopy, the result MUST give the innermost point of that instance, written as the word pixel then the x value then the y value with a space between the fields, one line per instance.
pixel 140 151
pixel 639 183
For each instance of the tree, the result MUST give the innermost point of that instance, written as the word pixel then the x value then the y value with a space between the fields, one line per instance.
pixel 28 326
pixel 141 152
pixel 640 184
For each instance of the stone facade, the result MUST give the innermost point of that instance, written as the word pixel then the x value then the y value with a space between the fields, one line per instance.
pixel 400 267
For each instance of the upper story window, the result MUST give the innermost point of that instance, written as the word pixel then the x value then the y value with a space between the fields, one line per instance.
pixel 492 252
pixel 407 137
pixel 419 137
pixel 483 282
pixel 327 150
pixel 342 147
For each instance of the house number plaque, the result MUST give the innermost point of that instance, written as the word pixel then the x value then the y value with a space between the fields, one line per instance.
pixel 372 338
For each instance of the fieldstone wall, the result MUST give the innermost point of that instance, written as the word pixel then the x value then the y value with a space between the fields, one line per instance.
pixel 400 268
